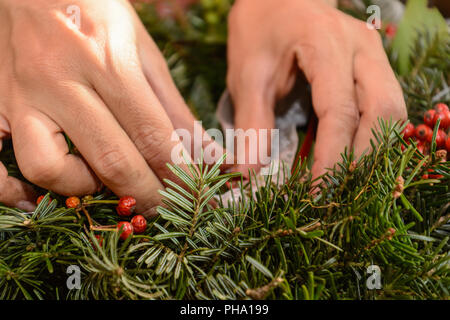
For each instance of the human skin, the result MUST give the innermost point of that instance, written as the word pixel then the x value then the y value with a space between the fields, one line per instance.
pixel 352 83
pixel 105 84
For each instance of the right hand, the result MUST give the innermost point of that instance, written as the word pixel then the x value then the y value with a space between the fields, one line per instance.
pixel 106 85
pixel 352 82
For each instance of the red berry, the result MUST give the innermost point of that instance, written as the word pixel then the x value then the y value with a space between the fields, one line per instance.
pixel 125 228
pixel 425 177
pixel 447 144
pixel 139 224
pixel 421 146
pixel 72 202
pixel 445 119
pixel 440 138
pixel 428 118
pixel 424 132
pixel 403 147
pixel 391 30
pixel 408 132
pixel 441 107
pixel 126 206
pixel 99 240
pixel 434 176
pixel 40 199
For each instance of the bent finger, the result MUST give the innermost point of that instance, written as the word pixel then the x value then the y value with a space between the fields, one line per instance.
pixel 254 115
pixel 158 76
pixel 43 157
pixel 336 108
pixel 107 148
pixel 379 95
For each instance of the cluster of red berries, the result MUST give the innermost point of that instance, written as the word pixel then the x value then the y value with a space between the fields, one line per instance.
pixel 423 133
pixel 125 208
pixel 138 224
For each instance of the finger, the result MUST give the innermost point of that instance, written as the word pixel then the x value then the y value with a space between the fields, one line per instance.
pixel 126 92
pixel 164 88
pixel 379 94
pixel 335 105
pixel 15 193
pixel 253 118
pixel 141 115
pixel 43 157
pixel 107 148
pixel 158 76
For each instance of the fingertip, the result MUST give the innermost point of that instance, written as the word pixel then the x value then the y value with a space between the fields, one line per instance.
pixel 150 213
pixel 18 194
pixel 25 205
pixel 318 169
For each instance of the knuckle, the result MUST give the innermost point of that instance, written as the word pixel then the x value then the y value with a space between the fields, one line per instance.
pixel 346 113
pixel 394 109
pixel 42 173
pixel 114 167
pixel 372 36
pixel 362 26
pixel 150 141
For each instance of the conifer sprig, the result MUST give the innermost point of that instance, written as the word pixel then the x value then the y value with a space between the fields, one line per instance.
pixel 277 241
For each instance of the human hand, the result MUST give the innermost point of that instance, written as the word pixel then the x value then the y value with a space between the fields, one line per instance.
pixel 105 84
pixel 344 61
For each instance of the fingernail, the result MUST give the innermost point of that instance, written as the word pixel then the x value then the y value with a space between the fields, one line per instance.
pixel 150 213
pixel 25 205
